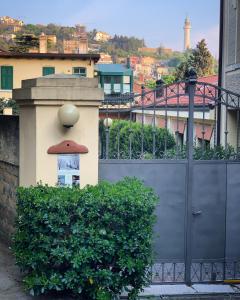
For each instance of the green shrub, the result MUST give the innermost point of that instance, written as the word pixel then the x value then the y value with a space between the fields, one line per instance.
pixel 122 133
pixel 9 103
pixel 206 153
pixel 92 242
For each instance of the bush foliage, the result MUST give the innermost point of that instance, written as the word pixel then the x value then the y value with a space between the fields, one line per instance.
pixel 5 103
pixel 205 153
pixel 92 242
pixel 123 133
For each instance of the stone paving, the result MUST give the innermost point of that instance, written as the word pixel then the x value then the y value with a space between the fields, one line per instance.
pixel 10 279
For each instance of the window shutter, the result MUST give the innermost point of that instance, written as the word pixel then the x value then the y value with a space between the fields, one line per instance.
pixel 48 71
pixel 6 77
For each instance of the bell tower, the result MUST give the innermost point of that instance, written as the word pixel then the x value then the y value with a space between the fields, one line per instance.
pixel 187 29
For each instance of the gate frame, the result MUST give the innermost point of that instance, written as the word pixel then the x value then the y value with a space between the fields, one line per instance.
pixel 218 99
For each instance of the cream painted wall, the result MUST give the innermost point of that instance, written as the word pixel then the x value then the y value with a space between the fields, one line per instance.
pixel 32 68
pixel 27 171
pixel 50 132
pixel 40 127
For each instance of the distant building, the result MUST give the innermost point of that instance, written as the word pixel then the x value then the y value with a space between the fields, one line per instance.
pixel 147 50
pixel 11 24
pixel 80 31
pixel 105 59
pixel 143 69
pixel 51 38
pixel 133 60
pixel 115 78
pixel 164 51
pixel 161 71
pixel 187 31
pixel 8 36
pixel 147 60
pixel 75 46
pixel 102 36
pixel 10 21
pixel 79 43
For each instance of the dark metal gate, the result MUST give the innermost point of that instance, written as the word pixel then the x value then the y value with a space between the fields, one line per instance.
pixel 197 233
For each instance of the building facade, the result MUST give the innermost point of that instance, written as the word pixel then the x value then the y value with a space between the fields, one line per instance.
pixel 11 24
pixel 105 58
pixel 102 36
pixel 115 78
pixel 15 67
pixel 10 21
pixel 79 43
pixel 75 46
pixel 230 63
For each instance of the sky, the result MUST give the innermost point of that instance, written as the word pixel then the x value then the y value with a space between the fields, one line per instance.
pixel 159 22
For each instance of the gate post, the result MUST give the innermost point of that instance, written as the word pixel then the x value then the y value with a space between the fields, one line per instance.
pixel 59 117
pixel 191 82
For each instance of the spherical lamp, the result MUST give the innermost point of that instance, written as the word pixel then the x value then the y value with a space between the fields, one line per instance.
pixel 107 122
pixel 68 115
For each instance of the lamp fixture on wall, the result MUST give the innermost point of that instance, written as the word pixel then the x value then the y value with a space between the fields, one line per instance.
pixel 68 115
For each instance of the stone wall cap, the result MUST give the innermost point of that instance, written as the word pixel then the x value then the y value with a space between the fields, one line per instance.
pixel 60 80
pixel 56 93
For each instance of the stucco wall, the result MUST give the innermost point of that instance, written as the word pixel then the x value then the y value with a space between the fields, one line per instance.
pixel 32 68
pixel 231 66
pixel 9 170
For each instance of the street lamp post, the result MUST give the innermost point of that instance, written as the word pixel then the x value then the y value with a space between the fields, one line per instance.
pixel 107 123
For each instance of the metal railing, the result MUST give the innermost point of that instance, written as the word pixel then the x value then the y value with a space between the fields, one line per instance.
pixel 155 124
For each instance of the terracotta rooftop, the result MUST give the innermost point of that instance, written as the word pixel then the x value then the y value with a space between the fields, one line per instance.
pixel 183 100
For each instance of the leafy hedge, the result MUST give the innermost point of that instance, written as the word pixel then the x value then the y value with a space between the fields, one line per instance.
pixel 206 153
pixel 122 132
pixel 92 242
pixel 9 103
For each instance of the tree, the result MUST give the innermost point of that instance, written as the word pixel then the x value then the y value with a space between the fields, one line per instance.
pixel 200 59
pixel 92 34
pixel 24 42
pixel 176 59
pixel 168 79
pixel 203 61
pixel 183 66
pixel 151 84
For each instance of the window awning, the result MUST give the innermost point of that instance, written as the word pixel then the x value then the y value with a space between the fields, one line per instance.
pixel 204 131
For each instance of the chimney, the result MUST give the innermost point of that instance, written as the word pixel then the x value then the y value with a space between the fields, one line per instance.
pixel 42 43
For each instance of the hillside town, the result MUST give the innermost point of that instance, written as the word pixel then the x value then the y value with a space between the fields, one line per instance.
pixel 147 64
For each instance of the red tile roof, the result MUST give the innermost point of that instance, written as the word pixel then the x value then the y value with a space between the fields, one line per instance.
pixel 212 79
pixel 174 89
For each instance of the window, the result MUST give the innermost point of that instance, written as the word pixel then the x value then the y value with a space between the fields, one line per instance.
pixel 107 79
pixel 80 71
pixel 107 88
pixel 126 79
pixel 6 77
pixel 48 71
pixel 126 88
pixel 126 84
pixel 117 79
